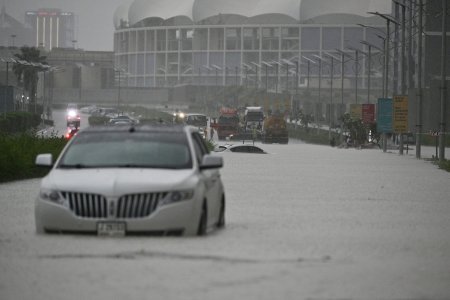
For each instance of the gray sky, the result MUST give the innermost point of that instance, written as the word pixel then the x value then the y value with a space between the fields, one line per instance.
pixel 94 17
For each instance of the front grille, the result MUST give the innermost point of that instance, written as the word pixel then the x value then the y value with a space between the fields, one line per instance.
pixel 138 205
pixel 87 205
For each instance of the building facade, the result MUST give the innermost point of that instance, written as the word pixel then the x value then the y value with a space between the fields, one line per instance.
pixel 52 28
pixel 266 44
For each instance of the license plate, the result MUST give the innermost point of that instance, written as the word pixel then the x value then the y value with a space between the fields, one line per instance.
pixel 111 228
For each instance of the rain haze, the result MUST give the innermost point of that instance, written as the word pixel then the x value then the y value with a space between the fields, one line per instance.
pixel 94 19
pixel 224 149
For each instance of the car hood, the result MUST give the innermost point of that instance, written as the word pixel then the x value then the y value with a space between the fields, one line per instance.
pixel 115 182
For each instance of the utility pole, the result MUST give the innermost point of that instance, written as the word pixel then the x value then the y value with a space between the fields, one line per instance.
pixel 388 19
pixel 419 84
pixel 443 82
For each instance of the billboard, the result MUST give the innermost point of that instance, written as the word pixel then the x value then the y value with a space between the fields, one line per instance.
pixel 400 114
pixel 368 113
pixel 384 115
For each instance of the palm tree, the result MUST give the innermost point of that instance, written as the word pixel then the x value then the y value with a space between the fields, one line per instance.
pixel 30 62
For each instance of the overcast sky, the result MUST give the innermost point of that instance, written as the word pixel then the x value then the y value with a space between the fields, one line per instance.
pixel 95 18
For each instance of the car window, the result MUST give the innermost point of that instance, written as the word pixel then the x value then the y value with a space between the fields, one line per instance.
pixel 125 149
pixel 200 146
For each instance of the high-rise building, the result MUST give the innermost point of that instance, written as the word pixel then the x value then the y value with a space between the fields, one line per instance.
pixel 52 28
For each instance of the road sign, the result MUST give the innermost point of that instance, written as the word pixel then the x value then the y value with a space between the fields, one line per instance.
pixel 384 115
pixel 400 114
pixel 355 111
pixel 368 113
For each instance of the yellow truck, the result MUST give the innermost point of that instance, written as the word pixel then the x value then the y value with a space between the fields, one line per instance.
pixel 274 130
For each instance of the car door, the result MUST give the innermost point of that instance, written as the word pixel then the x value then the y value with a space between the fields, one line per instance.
pixel 212 180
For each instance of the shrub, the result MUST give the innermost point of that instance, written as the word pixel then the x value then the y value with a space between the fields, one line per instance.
pixel 19 152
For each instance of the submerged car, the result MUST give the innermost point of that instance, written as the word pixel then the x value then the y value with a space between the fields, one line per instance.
pixel 119 180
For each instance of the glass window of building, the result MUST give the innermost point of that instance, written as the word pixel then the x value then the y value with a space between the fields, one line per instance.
pixel 140 64
pixel 150 40
pixel 251 38
pixel 289 38
pixel 200 39
pixel 141 40
pixel 172 63
pixel 216 39
pixel 161 40
pixel 233 38
pixel 173 38
pixel 149 63
pixel 331 38
pixel 271 38
pixel 132 41
pixel 186 39
pixel 310 38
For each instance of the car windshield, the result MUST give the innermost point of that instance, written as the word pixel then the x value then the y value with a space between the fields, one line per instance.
pixel 127 150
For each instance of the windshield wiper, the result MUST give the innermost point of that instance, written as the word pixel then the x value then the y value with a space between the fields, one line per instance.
pixel 74 166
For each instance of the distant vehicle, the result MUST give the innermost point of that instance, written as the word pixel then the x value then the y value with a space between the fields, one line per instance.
pixel 71 132
pixel 199 121
pixel 253 118
pixel 73 118
pixel 241 148
pixel 115 180
pixel 227 124
pixel 274 130
pixel 88 109
pixel 122 120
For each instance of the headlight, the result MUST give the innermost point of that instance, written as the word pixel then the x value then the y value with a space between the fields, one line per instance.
pixel 177 196
pixel 51 196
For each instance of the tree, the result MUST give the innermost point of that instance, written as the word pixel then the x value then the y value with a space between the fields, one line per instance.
pixel 355 128
pixel 27 69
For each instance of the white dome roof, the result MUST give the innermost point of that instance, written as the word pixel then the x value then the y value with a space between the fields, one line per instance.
pixel 164 9
pixel 313 8
pixel 121 14
pixel 204 9
pixel 294 10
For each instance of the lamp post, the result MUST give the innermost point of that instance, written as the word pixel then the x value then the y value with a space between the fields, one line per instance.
pixel 443 82
pixel 419 83
pixel 267 65
pixel 319 60
pixel 389 20
pixel 356 59
pixel 257 66
pixel 277 69
pixel 308 69
pixel 288 63
pixel 370 46
pixel 332 59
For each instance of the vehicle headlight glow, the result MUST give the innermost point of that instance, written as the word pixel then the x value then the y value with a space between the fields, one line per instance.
pixel 72 113
pixel 177 196
pixel 51 196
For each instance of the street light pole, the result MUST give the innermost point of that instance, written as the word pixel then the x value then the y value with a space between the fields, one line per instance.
pixel 419 84
pixel 443 82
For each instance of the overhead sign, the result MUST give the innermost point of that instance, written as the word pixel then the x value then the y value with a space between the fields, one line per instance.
pixel 368 113
pixel 400 111
pixel 384 115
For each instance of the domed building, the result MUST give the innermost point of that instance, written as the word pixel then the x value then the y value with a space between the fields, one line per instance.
pixel 265 43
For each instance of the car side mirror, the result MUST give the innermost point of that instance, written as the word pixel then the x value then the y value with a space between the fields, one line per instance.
pixel 44 160
pixel 210 161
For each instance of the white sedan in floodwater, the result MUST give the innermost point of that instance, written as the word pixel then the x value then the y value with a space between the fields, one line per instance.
pixel 132 180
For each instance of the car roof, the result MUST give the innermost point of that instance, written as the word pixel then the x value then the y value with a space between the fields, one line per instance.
pixel 169 128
